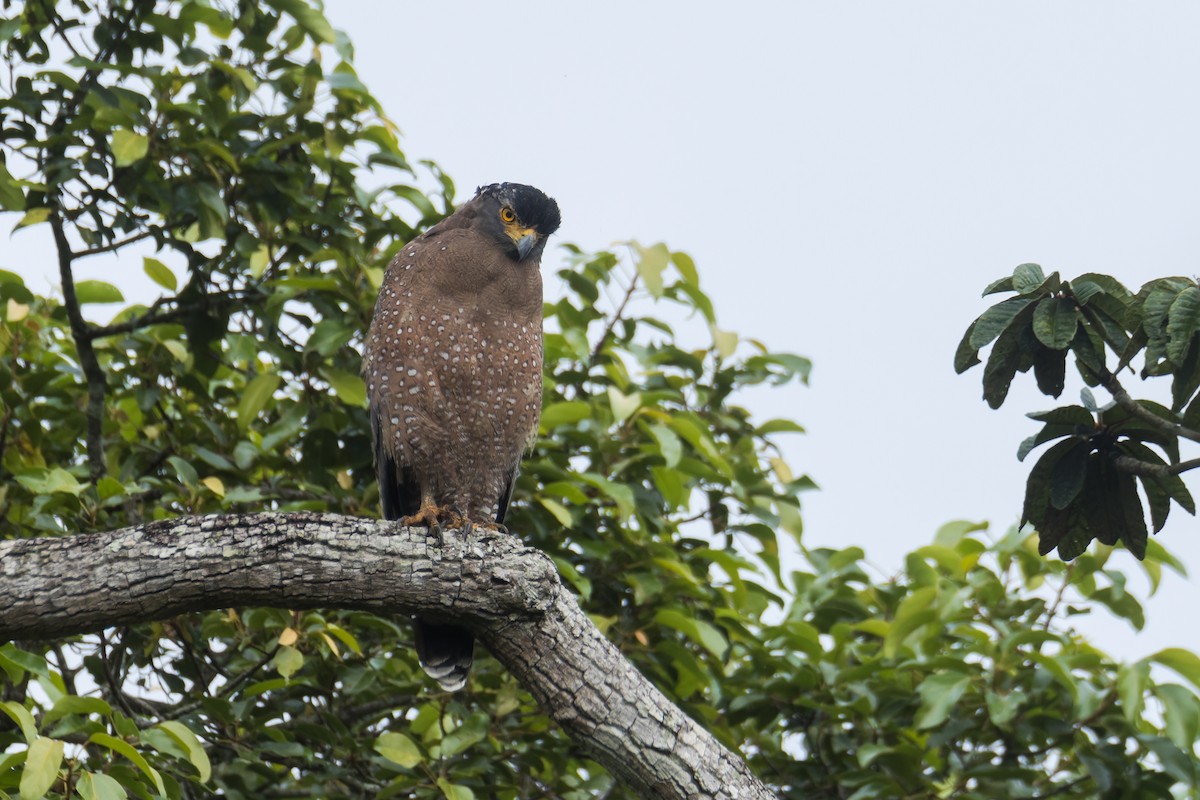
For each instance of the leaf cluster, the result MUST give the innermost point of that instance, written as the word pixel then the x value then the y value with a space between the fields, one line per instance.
pixel 1086 486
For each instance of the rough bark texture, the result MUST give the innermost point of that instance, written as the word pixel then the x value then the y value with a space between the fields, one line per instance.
pixel 509 595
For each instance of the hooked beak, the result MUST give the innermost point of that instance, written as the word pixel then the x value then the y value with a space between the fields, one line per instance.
pixel 526 244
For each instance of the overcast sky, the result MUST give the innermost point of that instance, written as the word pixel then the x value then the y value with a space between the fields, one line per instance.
pixel 848 178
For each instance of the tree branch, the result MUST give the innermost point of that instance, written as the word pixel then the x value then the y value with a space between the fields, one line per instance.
pixel 508 595
pixel 93 374
pixel 1136 409
pixel 1135 466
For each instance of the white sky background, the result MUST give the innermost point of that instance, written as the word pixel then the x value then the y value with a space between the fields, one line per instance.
pixel 848 177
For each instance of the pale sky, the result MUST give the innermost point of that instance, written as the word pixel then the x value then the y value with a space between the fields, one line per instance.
pixel 848 178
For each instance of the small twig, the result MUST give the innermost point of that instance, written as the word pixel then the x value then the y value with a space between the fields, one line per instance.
pixel 616 317
pixel 115 245
pixel 1058 596
pixel 1136 409
pixel 1135 466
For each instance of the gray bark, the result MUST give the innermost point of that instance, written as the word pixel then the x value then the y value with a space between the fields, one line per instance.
pixel 509 595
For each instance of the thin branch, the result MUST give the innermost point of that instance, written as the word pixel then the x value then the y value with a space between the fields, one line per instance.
pixel 1135 466
pixel 93 375
pixel 115 245
pixel 616 317
pixel 1136 409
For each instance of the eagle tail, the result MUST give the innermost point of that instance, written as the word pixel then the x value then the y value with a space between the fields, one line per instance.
pixel 446 652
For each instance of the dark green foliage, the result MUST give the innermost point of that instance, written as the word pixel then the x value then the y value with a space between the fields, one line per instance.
pixel 1087 487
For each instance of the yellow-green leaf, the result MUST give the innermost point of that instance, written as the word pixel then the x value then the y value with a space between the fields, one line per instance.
pixel 623 405
pixel 20 715
pixel 160 273
pixel 214 485
pixel 1185 662
pixel 124 748
pixel 11 196
pixel 255 398
pixel 259 260
pixel 41 767
pixel 454 792
pixel 14 311
pixel 651 261
pixel 97 292
pixel 399 749
pixel 939 693
pixel 726 342
pixel 345 636
pixel 349 387
pixel 288 661
pixel 49 481
pixel 32 217
pixel 129 147
pixel 98 786
pixel 191 743
pixel 559 511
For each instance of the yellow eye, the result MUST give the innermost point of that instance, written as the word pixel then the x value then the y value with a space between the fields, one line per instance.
pixel 507 214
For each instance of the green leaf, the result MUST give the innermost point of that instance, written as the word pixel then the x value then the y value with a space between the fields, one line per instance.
pixel 12 198
pixel 778 426
pixel 454 792
pixel 98 786
pixel 191 745
pixel 966 356
pixel 1183 322
pixel 1185 662
pixel 623 405
pixel 49 481
pixel 1054 322
pixel 651 262
pixel 97 292
pixel 124 748
pixel 1132 680
pixel 72 705
pixel 288 661
pixel 557 510
pixel 914 611
pixel 41 768
pixel 994 321
pixel 1004 284
pixel 32 217
pixel 670 446
pixel 1181 712
pixel 1002 367
pixel 1067 475
pixel 258 392
pixel 1027 278
pixel 20 715
pixel 349 387
pixel 1050 371
pixel 160 273
pixel 703 633
pixel 129 147
pixel 471 732
pixel 399 749
pixel 310 19
pixel 567 413
pixel 939 694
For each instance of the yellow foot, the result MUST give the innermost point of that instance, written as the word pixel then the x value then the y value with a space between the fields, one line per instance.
pixel 435 517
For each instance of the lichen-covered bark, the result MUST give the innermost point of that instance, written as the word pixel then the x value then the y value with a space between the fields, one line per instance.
pixel 509 595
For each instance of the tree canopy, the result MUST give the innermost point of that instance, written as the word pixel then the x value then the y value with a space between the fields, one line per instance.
pixel 231 153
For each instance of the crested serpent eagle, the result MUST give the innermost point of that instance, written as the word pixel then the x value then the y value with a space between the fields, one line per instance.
pixel 453 365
